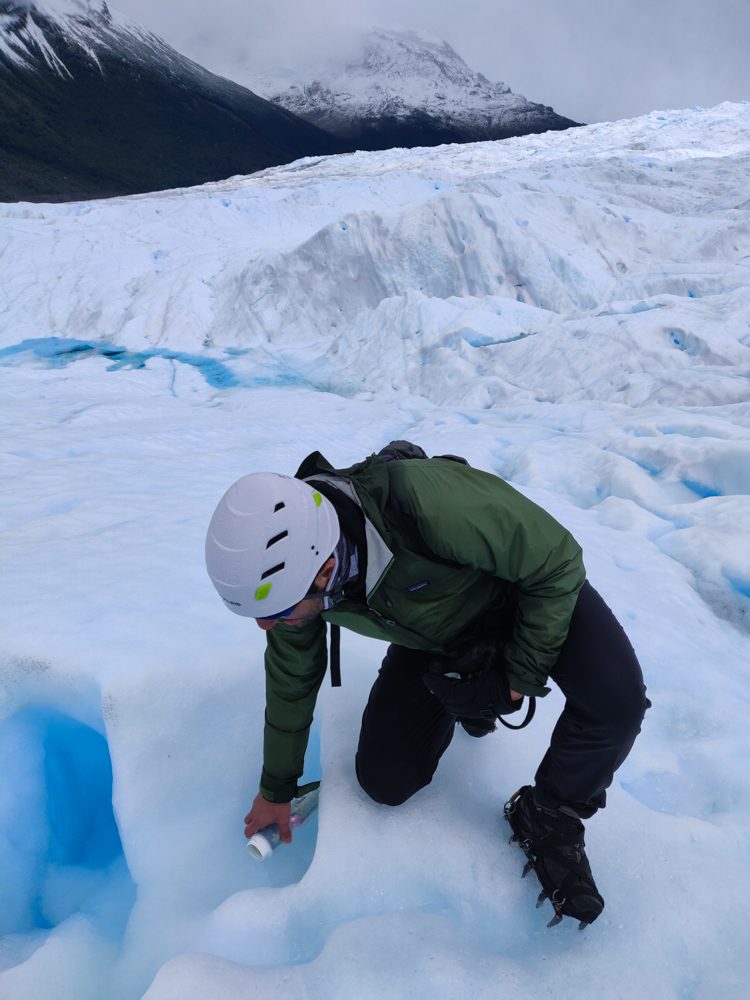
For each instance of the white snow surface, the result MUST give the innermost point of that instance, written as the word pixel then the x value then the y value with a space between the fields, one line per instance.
pixel 397 73
pixel 570 311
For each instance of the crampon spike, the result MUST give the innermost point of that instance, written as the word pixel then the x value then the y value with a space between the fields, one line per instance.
pixel 512 839
pixel 582 926
pixel 553 843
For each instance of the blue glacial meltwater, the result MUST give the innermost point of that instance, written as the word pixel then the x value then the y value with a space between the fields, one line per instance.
pixel 60 849
pixel 57 352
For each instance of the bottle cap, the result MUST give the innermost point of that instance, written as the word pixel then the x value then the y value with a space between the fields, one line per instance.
pixel 258 847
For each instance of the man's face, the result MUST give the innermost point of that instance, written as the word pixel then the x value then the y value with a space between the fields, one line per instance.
pixel 303 613
pixel 308 610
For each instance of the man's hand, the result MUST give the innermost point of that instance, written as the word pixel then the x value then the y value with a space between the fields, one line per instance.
pixel 264 813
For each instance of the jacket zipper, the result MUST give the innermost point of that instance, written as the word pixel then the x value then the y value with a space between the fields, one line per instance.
pixel 386 620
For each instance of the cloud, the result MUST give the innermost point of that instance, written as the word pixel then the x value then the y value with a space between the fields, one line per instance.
pixel 592 60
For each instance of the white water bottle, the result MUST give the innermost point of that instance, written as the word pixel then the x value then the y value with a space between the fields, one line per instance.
pixel 263 843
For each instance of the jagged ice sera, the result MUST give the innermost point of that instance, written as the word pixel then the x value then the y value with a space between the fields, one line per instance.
pixel 570 311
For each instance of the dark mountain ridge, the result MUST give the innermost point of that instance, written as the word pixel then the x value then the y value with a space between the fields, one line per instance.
pixel 92 105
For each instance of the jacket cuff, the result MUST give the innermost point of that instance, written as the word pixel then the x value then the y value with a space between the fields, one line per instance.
pixel 527 687
pixel 277 789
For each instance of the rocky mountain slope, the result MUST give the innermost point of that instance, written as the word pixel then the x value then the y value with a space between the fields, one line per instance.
pixel 93 105
pixel 408 90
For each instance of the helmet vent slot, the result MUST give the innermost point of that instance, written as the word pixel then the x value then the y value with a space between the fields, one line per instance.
pixel 277 538
pixel 272 570
pixel 279 506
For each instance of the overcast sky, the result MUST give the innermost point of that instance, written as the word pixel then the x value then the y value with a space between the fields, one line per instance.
pixel 592 60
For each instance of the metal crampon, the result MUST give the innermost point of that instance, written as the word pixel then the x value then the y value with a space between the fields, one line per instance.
pixel 554 847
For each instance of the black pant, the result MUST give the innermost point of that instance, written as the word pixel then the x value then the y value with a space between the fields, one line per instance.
pixel 406 730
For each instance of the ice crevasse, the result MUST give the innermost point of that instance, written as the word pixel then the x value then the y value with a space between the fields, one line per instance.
pixel 570 311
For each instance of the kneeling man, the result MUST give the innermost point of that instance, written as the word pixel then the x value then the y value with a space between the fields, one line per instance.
pixel 483 597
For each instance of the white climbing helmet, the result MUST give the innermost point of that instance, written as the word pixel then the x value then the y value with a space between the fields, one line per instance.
pixel 266 542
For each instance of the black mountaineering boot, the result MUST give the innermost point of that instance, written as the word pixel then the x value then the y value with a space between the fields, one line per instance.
pixel 552 840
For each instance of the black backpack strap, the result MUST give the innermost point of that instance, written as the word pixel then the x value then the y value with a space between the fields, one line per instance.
pixel 352 522
pixel 335 656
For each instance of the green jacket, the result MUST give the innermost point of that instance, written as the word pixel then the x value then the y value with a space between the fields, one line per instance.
pixel 512 555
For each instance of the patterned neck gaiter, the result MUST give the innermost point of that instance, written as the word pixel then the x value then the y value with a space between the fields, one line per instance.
pixel 345 571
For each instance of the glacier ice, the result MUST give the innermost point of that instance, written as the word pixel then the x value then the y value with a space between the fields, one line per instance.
pixel 570 311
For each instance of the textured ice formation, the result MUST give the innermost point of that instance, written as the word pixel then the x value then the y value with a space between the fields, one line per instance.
pixel 568 311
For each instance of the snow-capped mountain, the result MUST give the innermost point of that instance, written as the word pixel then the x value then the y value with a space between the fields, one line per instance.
pixel 408 89
pixel 45 34
pixel 93 104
